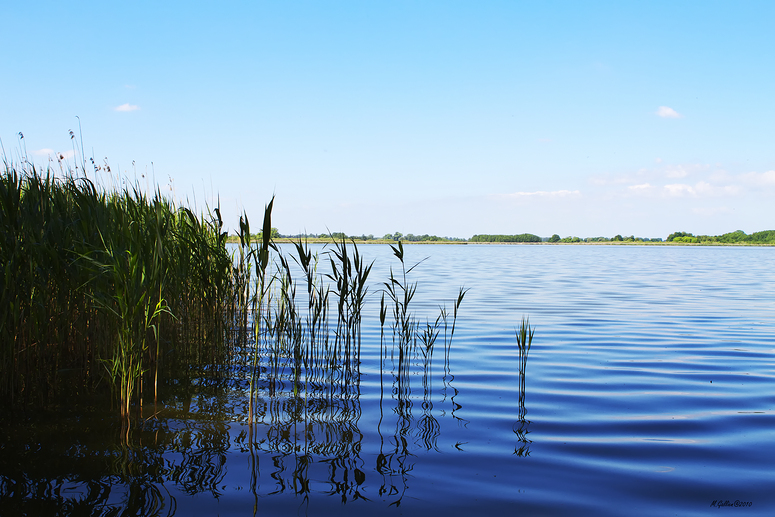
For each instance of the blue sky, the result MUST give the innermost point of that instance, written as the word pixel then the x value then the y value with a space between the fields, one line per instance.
pixel 439 117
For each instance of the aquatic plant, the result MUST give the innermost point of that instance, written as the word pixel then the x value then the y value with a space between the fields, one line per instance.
pixel 524 335
pixel 119 285
pixel 109 285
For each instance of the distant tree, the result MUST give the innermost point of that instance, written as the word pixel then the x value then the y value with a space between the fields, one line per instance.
pixel 554 238
pixel 397 236
pixel 618 238
pixel 523 237
pixel 673 236
pixel 275 234
pixel 767 236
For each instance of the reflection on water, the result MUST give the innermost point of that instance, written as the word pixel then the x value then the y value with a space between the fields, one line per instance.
pixel 650 388
pixel 306 417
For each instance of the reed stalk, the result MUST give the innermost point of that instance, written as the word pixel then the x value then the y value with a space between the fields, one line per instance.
pixel 524 335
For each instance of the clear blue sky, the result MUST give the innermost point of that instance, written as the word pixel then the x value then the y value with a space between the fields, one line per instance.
pixel 441 117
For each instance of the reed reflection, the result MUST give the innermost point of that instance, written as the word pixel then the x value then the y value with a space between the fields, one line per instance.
pixel 87 464
pixel 306 386
pixel 293 396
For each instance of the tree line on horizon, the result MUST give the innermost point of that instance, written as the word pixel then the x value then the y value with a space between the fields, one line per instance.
pixel 736 237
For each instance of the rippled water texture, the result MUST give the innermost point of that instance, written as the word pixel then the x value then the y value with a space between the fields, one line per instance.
pixel 650 390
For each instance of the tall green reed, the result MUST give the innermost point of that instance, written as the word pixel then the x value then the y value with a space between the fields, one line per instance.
pixel 124 286
pixel 107 284
pixel 524 335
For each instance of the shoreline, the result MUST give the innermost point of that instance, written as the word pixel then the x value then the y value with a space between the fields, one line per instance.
pixel 287 240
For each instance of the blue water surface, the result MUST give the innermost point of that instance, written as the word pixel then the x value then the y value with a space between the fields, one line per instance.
pixel 649 390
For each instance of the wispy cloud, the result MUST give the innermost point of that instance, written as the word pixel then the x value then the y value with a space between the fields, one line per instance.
pixel 700 189
pixel 127 107
pixel 759 179
pixel 680 171
pixel 652 175
pixel 666 112
pixel 674 181
pixel 64 155
pixel 679 190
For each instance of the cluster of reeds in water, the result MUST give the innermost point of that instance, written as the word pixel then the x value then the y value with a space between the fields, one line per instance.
pixel 100 284
pixel 305 360
pixel 317 349
pixel 126 287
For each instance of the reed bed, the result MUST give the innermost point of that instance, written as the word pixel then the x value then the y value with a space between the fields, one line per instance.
pixel 122 289
pixel 108 285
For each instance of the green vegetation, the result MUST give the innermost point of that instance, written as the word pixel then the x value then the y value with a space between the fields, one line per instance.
pixel 523 237
pixel 616 238
pixel 736 237
pixel 115 289
pixel 339 236
pixel 114 286
pixel 398 236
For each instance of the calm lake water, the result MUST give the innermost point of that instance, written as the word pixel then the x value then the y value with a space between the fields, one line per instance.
pixel 650 390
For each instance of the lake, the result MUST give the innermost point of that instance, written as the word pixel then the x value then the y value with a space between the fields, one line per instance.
pixel 649 390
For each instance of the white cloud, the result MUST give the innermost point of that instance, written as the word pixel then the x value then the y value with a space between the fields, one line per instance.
pixel 759 179
pixel 64 155
pixel 127 107
pixel 666 112
pixel 678 190
pixel 700 189
pixel 676 171
pixel 652 175
pixel 641 190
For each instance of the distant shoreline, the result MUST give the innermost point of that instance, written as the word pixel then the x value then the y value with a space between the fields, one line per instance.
pixel 287 240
